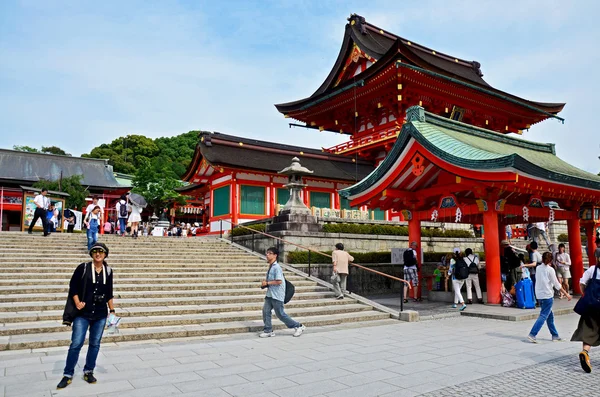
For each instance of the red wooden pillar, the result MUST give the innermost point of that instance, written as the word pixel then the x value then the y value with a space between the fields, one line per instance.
pixel 234 202
pixel 591 246
pixel 414 234
pixel 492 256
pixel 573 228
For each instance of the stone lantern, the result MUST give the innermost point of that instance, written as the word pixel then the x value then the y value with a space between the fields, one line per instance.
pixel 295 172
pixel 295 216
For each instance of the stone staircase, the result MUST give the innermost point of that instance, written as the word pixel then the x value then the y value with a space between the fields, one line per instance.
pixel 164 288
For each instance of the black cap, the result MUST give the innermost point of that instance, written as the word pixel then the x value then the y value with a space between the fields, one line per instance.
pixel 101 246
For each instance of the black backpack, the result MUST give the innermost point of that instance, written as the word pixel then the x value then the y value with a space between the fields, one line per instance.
pixel 461 270
pixel 473 269
pixel 122 210
pixel 409 258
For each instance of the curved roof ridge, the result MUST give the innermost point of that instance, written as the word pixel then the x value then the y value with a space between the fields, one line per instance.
pixel 418 46
pixel 488 134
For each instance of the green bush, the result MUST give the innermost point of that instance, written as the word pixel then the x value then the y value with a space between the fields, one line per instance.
pixel 301 257
pixel 563 238
pixel 390 230
pixel 242 231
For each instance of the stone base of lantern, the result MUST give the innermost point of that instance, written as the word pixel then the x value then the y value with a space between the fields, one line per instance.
pixel 294 222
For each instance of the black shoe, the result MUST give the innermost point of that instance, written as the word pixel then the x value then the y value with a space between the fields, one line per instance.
pixel 89 378
pixel 480 301
pixel 470 301
pixel 29 232
pixel 64 382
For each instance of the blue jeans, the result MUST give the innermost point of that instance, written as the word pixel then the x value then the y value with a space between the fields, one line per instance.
pixel 270 304
pixel 122 225
pixel 546 316
pixel 80 327
pixel 92 238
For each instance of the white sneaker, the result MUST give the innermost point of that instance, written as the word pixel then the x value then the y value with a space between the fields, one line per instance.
pixel 266 334
pixel 299 330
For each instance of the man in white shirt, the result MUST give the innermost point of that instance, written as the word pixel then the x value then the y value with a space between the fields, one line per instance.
pixel 41 205
pixel 91 207
pixel 473 280
pixel 540 229
pixel 544 292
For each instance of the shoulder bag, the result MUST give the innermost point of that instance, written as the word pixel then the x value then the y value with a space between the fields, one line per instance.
pixel 589 303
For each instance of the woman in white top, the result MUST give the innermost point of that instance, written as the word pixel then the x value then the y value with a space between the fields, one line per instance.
pixel 588 329
pixel 135 217
pixel 563 266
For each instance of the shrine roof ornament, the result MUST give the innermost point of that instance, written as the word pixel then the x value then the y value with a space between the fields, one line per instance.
pixel 472 148
pixel 385 48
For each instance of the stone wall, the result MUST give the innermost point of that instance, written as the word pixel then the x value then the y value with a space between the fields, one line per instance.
pixel 357 242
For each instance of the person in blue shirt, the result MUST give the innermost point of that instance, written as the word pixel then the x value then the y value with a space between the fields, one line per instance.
pixel 275 285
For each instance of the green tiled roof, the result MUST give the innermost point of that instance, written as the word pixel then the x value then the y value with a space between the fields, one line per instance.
pixel 477 148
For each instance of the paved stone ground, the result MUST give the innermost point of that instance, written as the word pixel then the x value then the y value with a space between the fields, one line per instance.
pixel 457 356
pixel 559 377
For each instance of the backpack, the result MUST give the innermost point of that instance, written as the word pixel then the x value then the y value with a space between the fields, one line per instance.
pixel 122 210
pixel 461 270
pixel 409 258
pixel 473 269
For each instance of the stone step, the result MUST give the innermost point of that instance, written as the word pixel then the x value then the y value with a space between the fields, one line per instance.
pixel 55 325
pixel 44 340
pixel 190 271
pixel 28 316
pixel 63 287
pixel 177 242
pixel 129 265
pixel 116 255
pixel 52 303
pixel 16 279
pixel 159 294
pixel 149 272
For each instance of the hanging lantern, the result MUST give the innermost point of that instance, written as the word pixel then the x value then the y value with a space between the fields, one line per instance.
pixel 525 214
pixel 551 216
pixel 434 216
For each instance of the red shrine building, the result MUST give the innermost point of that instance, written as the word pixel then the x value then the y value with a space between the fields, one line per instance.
pixel 237 180
pixel 443 142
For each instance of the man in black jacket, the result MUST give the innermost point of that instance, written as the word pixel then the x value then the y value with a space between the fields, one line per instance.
pixel 91 289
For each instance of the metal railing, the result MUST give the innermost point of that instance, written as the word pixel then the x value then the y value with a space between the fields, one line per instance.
pixel 252 245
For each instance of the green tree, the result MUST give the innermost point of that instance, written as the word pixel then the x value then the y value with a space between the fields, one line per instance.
pixel 45 149
pixel 126 154
pixel 54 150
pixel 155 182
pixel 25 149
pixel 71 185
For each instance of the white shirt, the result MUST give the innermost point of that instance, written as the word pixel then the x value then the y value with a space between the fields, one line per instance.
pixel 587 275
pixel 541 226
pixel 545 282
pixel 91 207
pixel 41 201
pixel 564 257
pixel 472 259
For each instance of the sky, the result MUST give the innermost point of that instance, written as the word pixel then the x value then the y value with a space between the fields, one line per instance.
pixel 77 74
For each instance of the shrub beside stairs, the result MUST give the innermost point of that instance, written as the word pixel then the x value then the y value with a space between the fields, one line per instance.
pixel 163 287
